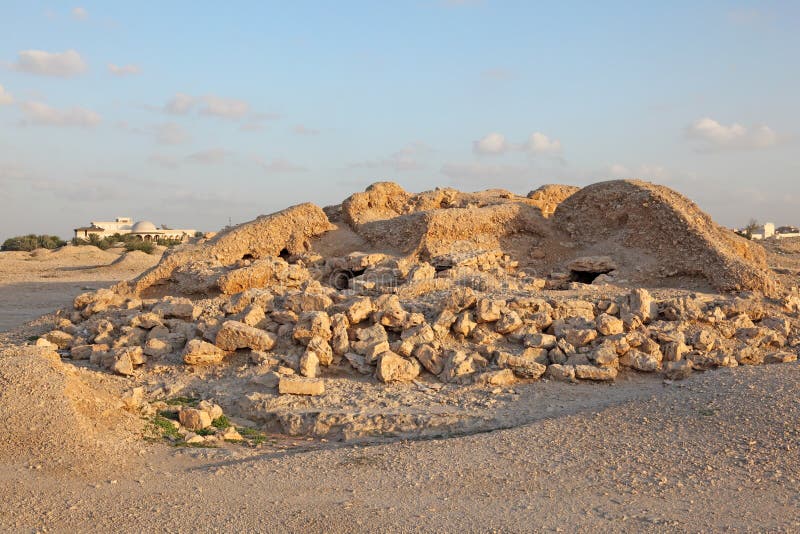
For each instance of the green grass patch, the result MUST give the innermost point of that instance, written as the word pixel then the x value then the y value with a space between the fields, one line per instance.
pixel 183 401
pixel 221 422
pixel 166 414
pixel 165 427
pixel 256 437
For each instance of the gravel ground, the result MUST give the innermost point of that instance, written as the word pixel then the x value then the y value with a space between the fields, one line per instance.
pixel 719 451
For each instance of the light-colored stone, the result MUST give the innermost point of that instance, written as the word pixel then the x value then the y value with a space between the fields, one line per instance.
pixel 301 386
pixel 234 335
pixel 199 352
pixel 309 364
pixel 608 325
pixel 194 419
pixel 394 368
pixel 591 372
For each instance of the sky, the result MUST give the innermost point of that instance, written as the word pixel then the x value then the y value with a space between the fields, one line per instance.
pixel 194 114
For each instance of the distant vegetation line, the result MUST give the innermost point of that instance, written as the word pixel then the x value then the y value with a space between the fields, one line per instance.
pixel 30 242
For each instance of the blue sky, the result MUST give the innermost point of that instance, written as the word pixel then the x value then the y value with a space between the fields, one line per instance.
pixel 188 113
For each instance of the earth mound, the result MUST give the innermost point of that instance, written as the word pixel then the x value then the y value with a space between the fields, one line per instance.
pixel 671 234
pixel 401 314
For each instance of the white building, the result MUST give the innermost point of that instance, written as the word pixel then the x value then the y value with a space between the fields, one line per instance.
pixel 769 231
pixel 144 230
pixel 763 232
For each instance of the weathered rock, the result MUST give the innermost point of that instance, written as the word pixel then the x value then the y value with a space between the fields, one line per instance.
pixel 503 377
pixel 85 352
pixel 560 373
pixel 179 307
pixel 459 299
pixel 309 364
pixel 579 337
pixel 523 367
pixel 430 357
pixel 322 349
pixel 300 386
pixel 194 419
pixel 312 324
pixel 509 322
pixel 464 324
pixel 359 309
pixel 608 325
pixel 674 351
pixel 458 366
pixel 640 304
pixel 544 341
pixel 394 368
pixel 60 339
pixel 591 372
pixel 780 357
pixel 199 352
pixel 235 335
pixel 606 356
pixel 489 310
pixel 340 340
pixel 678 369
pixel 641 361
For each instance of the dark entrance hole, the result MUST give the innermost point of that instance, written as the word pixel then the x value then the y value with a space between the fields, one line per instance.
pixel 586 277
pixel 340 279
pixel 248 257
pixel 284 254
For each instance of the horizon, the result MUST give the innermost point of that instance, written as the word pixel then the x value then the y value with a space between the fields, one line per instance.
pixel 190 116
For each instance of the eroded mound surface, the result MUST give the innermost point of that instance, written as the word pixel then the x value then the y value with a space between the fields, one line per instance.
pixel 399 314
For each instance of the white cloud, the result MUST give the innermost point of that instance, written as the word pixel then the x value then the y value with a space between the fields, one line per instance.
pixel 229 108
pixel 180 104
pixel 171 133
pixel 80 13
pixel 123 70
pixel 5 97
pixel 539 143
pixel 405 159
pixel 712 135
pixel 61 64
pixel 280 165
pixel 304 130
pixel 493 143
pixel 210 156
pixel 496 143
pixel 41 113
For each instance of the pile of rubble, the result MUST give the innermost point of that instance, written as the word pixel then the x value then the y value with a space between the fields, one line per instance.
pixel 485 288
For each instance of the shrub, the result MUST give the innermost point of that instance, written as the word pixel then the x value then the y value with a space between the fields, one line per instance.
pixel 31 242
pixel 144 246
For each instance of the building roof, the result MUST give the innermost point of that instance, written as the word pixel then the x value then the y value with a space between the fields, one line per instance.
pixel 143 227
pixel 87 228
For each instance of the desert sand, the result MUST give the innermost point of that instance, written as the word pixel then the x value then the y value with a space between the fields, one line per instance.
pixel 676 428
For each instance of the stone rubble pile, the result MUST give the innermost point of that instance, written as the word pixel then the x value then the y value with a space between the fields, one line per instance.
pixel 511 331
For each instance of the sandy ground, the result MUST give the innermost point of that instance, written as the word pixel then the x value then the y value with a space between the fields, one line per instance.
pixel 718 451
pixel 33 284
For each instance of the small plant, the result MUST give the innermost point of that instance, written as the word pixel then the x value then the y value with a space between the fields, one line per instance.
pixel 256 437
pixel 164 427
pixel 182 401
pixel 221 422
